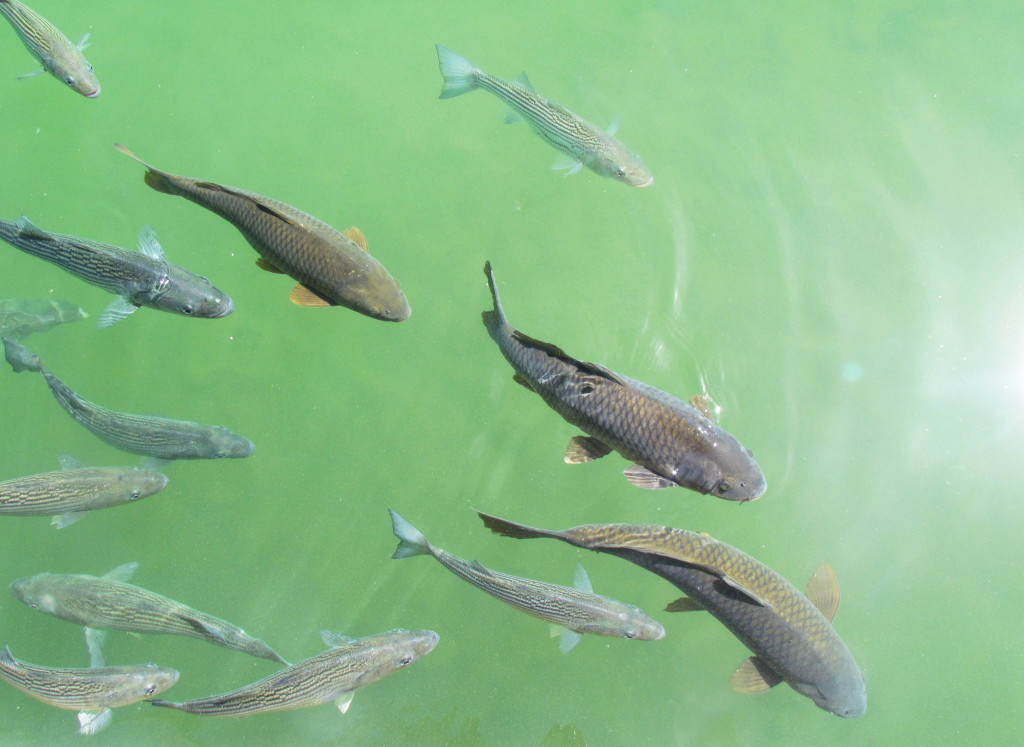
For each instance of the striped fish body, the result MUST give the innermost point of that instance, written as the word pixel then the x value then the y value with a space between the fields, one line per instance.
pixel 103 603
pixel 59 57
pixel 73 491
pixel 331 268
pixel 141 279
pixel 791 638
pixel 20 317
pixel 583 143
pixel 86 689
pixel 670 441
pixel 332 675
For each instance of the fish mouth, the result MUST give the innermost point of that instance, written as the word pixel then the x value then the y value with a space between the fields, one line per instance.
pixel 92 95
pixel 647 183
pixel 227 309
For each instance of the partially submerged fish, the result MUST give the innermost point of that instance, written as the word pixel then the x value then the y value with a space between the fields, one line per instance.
pixel 791 635
pixel 21 317
pixel 69 494
pixel 333 675
pixel 148 435
pixel 92 691
pixel 582 143
pixel 142 278
pixel 669 441
pixel 332 268
pixel 59 57
pixel 108 603
pixel 578 610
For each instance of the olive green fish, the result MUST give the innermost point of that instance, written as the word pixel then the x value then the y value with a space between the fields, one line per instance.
pixel 93 691
pixel 59 57
pixel 69 494
pixel 331 267
pixel 578 610
pixel 148 435
pixel 107 602
pixel 582 143
pixel 791 635
pixel 334 675
pixel 21 317
pixel 669 441
pixel 142 278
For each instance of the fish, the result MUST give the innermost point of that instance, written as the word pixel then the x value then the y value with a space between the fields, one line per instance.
pixel 109 603
pixel 334 675
pixel 669 441
pixel 790 634
pixel 581 143
pixel 148 435
pixel 20 317
pixel 58 56
pixel 75 490
pixel 332 268
pixel 142 278
pixel 576 610
pixel 92 691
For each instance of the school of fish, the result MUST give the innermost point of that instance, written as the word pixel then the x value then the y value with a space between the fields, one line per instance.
pixel 668 442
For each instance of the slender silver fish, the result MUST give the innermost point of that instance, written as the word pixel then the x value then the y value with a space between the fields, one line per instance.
pixel 93 691
pixel 59 57
pixel 107 602
pixel 578 610
pixel 20 317
pixel 142 278
pixel 69 494
pixel 333 675
pixel 148 435
pixel 582 143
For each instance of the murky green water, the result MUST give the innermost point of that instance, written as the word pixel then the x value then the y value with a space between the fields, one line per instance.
pixel 831 248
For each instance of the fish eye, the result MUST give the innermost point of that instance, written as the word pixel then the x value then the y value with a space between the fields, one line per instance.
pixel 630 634
pixel 69 80
pixel 620 172
pixel 150 689
pixel 187 309
pixel 90 68
pixel 135 495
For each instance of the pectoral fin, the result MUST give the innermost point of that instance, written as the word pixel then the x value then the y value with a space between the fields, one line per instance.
pixel 644 478
pixel 33 74
pixel 754 676
pixel 563 162
pixel 585 449
pixel 266 264
pixel 67 519
pixel 567 640
pixel 823 591
pixel 303 296
pixel 90 723
pixel 345 700
pixel 684 604
pixel 354 235
pixel 523 382
pixel 116 310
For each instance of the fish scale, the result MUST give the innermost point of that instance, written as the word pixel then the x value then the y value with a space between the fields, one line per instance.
pixel 780 625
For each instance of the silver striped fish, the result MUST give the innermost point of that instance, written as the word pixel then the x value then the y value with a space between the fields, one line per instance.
pixel 148 435
pixel 577 610
pixel 333 675
pixel 142 278
pixel 21 317
pixel 69 494
pixel 109 603
pixel 582 143
pixel 93 691
pixel 59 57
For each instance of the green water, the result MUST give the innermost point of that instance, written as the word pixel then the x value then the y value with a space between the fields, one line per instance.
pixel 831 249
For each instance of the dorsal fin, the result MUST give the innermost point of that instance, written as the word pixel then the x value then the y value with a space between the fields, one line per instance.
pixel 556 352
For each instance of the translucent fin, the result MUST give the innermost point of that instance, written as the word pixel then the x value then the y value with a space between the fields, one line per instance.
pixel 83 42
pixel 67 519
pixel 753 676
pixel 614 126
pixel 585 449
pixel 122 573
pixel 567 162
pixel 33 74
pixel 459 73
pixel 94 639
pixel 345 700
pixel 582 581
pixel 148 244
pixel 823 591
pixel 91 723
pixel 116 310
pixel 511 116
pixel 410 540
pixel 334 640
pixel 69 462
pixel 568 640
pixel 30 229
pixel 354 235
pixel 523 81
pixel 644 478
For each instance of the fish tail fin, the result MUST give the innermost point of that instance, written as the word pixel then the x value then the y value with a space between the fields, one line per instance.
pixel 154 178
pixel 460 74
pixel 410 540
pixel 20 358
pixel 510 529
pixel 494 319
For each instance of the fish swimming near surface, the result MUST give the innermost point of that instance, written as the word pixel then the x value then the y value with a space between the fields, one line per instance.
pixel 59 57
pixel 334 675
pixel 582 143
pixel 148 435
pixel 142 278
pixel 92 691
pixel 577 610
pixel 20 317
pixel 69 494
pixel 108 603
pixel 332 268
pixel 669 441
pixel 791 635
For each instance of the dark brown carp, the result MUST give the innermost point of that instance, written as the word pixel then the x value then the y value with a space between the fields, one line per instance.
pixel 669 441
pixel 791 635
pixel 332 268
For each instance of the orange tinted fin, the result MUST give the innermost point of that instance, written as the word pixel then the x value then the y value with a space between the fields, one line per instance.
pixel 303 296
pixel 585 449
pixel 823 591
pixel 644 478
pixel 703 403
pixel 753 676
pixel 356 236
pixel 265 264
